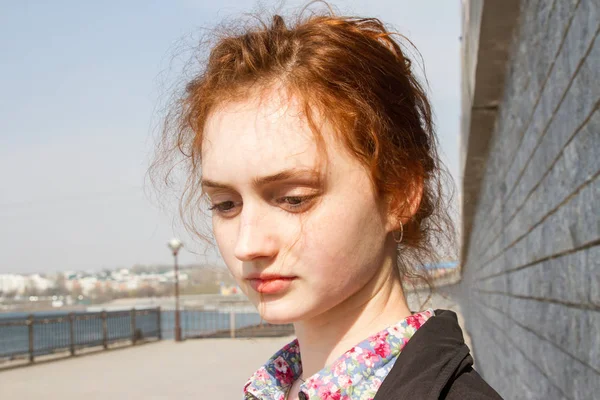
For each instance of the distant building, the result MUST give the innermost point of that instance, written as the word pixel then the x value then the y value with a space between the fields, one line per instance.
pixel 20 284
pixel 12 283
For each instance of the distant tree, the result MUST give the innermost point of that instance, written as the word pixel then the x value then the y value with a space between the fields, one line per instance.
pixel 146 291
pixel 102 294
pixel 31 290
pixel 59 288
pixel 76 291
pixel 10 294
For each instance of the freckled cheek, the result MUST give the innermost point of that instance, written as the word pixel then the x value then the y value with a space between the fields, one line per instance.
pixel 337 249
pixel 333 266
pixel 320 249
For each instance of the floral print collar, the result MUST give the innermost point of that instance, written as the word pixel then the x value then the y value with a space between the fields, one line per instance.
pixel 357 374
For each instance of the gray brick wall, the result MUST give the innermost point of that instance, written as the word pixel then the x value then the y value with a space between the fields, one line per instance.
pixel 531 277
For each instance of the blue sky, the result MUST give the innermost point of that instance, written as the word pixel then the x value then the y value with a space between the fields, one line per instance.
pixel 80 83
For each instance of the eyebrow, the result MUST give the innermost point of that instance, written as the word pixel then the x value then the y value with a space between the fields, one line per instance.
pixel 304 175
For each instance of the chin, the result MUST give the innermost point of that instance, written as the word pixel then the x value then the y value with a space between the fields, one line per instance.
pixel 280 311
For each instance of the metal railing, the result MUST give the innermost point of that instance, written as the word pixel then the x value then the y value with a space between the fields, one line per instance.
pixel 43 334
pixel 38 335
pixel 232 322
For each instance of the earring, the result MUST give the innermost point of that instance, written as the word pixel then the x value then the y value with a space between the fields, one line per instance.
pixel 399 240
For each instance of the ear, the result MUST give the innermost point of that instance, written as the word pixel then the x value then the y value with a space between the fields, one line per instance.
pixel 402 206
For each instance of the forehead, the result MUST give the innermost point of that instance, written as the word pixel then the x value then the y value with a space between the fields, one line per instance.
pixel 260 136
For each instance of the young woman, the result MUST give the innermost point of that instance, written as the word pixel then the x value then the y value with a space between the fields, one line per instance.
pixel 314 146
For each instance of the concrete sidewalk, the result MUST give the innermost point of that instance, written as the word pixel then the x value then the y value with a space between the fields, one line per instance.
pixel 194 369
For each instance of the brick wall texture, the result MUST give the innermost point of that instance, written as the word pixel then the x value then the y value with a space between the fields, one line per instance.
pixel 531 278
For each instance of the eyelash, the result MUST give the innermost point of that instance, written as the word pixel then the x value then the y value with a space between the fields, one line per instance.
pixel 218 207
pixel 303 202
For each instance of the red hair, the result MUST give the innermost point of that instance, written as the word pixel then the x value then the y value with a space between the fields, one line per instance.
pixel 351 71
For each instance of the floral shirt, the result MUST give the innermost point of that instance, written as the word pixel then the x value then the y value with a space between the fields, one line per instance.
pixel 356 375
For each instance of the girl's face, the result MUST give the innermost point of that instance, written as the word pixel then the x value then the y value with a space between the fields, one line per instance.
pixel 298 246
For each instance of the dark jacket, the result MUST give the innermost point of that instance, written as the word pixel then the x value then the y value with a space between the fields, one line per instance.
pixel 435 364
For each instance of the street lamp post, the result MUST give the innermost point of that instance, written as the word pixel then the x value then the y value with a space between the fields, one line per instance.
pixel 175 245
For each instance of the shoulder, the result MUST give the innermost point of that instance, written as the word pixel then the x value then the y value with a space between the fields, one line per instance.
pixel 469 385
pixel 436 364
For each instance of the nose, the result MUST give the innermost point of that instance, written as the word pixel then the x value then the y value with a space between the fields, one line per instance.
pixel 256 237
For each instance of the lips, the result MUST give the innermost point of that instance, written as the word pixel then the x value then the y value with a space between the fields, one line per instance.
pixel 270 284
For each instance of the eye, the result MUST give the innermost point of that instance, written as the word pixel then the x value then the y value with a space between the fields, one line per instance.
pixel 225 207
pixel 296 203
pixel 293 201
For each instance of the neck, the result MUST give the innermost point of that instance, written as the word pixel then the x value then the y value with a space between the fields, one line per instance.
pixel 378 305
